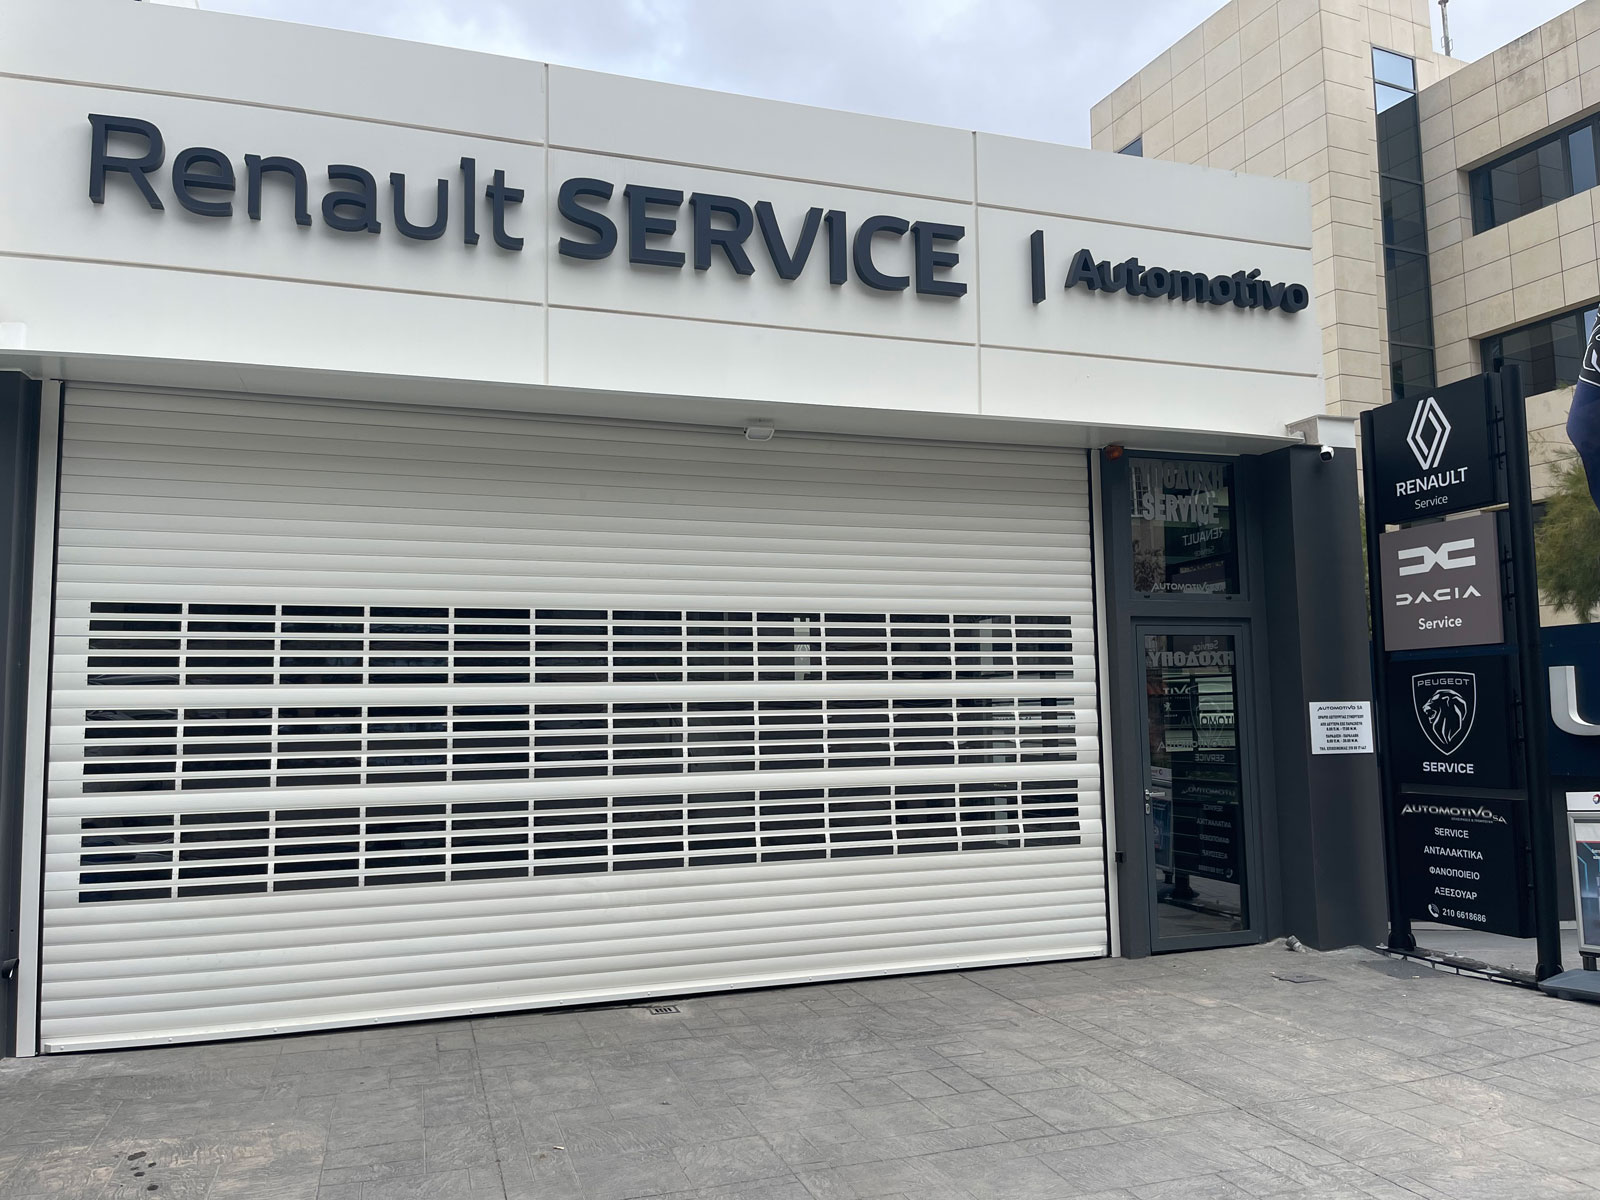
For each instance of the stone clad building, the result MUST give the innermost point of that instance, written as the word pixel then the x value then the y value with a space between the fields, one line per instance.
pixel 1453 203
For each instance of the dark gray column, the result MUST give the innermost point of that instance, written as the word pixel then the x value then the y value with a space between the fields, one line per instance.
pixel 19 460
pixel 1329 828
pixel 1123 687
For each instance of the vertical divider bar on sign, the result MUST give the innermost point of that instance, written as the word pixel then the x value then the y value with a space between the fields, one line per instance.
pixel 36 752
pixel 1534 684
pixel 1400 935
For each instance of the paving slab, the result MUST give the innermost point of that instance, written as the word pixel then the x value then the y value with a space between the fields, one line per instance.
pixel 1217 1075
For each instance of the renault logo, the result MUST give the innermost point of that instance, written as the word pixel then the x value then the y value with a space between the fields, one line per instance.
pixel 1450 556
pixel 1429 433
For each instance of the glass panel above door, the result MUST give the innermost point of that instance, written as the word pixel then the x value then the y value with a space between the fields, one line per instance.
pixel 1185 540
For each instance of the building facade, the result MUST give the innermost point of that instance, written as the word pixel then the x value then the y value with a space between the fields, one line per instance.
pixel 1453 202
pixel 484 535
pixel 1286 88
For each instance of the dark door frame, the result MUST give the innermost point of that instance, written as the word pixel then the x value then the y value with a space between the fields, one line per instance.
pixel 1124 688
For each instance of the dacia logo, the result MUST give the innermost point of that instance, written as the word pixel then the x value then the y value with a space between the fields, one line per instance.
pixel 1451 556
pixel 1437 596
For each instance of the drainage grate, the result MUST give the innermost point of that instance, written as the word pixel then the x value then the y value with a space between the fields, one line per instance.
pixel 662 1010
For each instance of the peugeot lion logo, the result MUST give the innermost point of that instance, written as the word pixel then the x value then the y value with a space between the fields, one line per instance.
pixel 1429 433
pixel 1446 705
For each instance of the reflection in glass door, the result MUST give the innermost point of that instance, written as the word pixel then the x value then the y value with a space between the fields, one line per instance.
pixel 1195 788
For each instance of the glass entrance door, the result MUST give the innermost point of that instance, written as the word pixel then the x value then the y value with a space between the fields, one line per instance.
pixel 1199 834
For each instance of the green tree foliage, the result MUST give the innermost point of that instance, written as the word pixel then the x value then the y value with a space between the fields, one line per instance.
pixel 1568 544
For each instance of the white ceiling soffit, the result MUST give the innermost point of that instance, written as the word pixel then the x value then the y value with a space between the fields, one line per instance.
pixel 735 415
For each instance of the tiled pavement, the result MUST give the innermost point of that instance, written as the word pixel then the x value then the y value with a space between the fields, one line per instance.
pixel 1201 1077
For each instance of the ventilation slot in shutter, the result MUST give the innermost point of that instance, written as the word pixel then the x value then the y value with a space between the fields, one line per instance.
pixel 141 644
pixel 207 749
pixel 159 855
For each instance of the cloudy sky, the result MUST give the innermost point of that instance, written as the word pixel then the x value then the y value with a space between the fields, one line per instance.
pixel 1025 67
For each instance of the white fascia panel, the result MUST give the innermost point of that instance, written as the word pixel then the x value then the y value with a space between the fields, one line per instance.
pixel 612 114
pixel 720 294
pixel 1166 399
pixel 54 216
pixel 1070 181
pixel 1139 327
pixel 635 353
pixel 163 314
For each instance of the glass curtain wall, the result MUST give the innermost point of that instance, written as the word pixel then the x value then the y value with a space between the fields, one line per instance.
pixel 1405 230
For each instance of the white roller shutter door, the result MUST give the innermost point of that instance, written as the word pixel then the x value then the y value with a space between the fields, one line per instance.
pixel 370 713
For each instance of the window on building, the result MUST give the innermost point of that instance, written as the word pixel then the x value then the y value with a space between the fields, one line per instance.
pixel 1553 168
pixel 1406 279
pixel 1394 69
pixel 1135 147
pixel 1549 352
pixel 1395 76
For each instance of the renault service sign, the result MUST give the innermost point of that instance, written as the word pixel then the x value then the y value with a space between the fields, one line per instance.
pixel 1434 455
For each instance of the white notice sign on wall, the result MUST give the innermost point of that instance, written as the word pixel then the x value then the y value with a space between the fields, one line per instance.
pixel 1341 727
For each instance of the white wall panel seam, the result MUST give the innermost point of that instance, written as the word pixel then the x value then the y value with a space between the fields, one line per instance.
pixel 550 235
pixel 1068 214
pixel 298 280
pixel 789 327
pixel 752 173
pixel 977 318
pixel 1229 368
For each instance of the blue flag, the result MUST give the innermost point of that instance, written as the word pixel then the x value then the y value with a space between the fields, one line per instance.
pixel 1583 422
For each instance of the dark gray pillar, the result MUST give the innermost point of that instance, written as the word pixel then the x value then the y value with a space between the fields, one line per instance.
pixel 1329 828
pixel 19 462
pixel 1123 687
